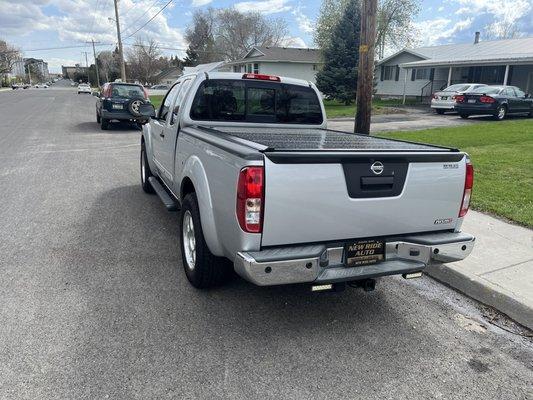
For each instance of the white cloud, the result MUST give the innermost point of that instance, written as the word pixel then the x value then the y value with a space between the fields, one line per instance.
pixel 199 3
pixel 304 22
pixel 264 6
pixel 435 30
pixel 507 12
pixel 441 8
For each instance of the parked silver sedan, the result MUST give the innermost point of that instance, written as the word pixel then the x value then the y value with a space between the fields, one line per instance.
pixel 444 100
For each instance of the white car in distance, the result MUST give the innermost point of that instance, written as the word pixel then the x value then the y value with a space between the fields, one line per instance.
pixel 84 88
pixel 444 100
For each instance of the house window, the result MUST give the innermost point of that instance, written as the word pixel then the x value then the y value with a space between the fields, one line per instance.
pixel 422 73
pixel 236 68
pixel 256 68
pixel 315 67
pixel 389 72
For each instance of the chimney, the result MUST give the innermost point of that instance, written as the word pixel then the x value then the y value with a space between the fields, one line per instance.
pixel 476 39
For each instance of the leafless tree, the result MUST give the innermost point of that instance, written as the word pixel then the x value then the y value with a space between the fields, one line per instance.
pixel 228 34
pixel 8 55
pixel 502 30
pixel 144 60
pixel 108 64
pixel 394 24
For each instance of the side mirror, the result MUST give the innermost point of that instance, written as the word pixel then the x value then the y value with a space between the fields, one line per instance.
pixel 527 96
pixel 147 110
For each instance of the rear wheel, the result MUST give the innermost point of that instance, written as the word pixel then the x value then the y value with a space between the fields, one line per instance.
pixel 464 116
pixel 104 123
pixel 145 171
pixel 439 111
pixel 203 269
pixel 501 113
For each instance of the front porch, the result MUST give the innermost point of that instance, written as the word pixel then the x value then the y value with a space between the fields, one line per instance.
pixel 440 77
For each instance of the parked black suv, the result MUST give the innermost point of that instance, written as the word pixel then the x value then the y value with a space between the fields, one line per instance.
pixel 120 101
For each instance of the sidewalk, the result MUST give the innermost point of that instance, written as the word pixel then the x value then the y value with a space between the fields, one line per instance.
pixel 499 272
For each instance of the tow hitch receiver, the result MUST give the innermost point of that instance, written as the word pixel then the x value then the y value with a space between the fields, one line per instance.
pixel 412 275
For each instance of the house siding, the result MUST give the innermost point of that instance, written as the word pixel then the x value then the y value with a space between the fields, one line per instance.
pixel 395 88
pixel 291 70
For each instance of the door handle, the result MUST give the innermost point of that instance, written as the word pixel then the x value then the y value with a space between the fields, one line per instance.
pixel 161 134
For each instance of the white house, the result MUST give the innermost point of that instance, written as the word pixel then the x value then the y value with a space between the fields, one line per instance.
pixel 282 61
pixel 421 71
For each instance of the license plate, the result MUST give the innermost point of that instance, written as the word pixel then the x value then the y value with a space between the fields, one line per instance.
pixel 117 106
pixel 471 100
pixel 444 98
pixel 364 252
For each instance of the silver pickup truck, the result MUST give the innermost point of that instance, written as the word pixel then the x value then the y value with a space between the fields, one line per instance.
pixel 265 189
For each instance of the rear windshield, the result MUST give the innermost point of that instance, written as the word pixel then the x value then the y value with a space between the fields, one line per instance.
pixel 457 88
pixel 487 90
pixel 126 91
pixel 256 101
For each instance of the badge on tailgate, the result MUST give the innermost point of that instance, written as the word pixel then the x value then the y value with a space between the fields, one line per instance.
pixel 364 252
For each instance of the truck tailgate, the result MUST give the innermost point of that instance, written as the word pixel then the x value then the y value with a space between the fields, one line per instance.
pixel 316 197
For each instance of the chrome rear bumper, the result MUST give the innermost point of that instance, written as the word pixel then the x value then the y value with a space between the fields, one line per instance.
pixel 325 263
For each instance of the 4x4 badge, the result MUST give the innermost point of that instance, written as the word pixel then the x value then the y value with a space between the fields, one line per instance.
pixel 377 168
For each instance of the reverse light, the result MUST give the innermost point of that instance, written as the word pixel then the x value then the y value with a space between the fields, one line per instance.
pixel 467 193
pixel 250 199
pixel 486 99
pixel 262 77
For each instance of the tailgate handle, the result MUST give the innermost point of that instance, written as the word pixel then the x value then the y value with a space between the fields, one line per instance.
pixel 377 182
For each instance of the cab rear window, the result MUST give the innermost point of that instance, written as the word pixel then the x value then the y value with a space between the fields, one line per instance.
pixel 251 101
pixel 125 91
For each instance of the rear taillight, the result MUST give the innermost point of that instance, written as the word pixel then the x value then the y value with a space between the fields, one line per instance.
pixel 145 93
pixel 434 96
pixel 262 77
pixel 250 199
pixel 486 99
pixel 460 99
pixel 467 194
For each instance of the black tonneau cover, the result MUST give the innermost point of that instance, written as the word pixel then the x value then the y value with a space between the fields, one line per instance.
pixel 323 140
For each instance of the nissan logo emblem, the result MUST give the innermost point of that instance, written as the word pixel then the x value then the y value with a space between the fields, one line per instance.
pixel 377 168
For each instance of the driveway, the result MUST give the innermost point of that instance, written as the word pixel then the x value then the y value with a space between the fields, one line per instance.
pixel 414 118
pixel 95 303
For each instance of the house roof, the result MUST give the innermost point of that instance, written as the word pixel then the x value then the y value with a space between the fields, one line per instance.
pixel 168 71
pixel 484 52
pixel 287 54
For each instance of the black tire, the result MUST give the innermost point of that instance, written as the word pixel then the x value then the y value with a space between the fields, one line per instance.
pixel 145 172
pixel 104 123
pixel 501 113
pixel 97 118
pixel 464 116
pixel 439 111
pixel 207 270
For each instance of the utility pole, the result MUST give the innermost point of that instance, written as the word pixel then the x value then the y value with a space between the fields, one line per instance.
pixel 96 63
pixel 87 66
pixel 29 73
pixel 120 50
pixel 365 71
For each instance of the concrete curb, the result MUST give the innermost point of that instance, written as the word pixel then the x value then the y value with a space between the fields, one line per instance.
pixel 484 291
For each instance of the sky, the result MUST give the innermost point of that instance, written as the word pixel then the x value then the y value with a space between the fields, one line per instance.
pixel 36 25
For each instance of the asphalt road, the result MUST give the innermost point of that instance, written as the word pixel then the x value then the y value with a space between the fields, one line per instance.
pixel 95 304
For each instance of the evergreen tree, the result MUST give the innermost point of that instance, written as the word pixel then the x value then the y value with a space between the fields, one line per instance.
pixel 191 58
pixel 338 78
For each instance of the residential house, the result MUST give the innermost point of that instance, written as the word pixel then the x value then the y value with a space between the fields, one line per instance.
pixel 421 71
pixel 168 76
pixel 72 71
pixel 281 61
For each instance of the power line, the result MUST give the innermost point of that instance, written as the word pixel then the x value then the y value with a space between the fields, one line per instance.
pixel 142 15
pixel 150 20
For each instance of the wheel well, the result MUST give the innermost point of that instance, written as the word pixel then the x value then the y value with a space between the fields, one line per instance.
pixel 186 187
pixel 142 139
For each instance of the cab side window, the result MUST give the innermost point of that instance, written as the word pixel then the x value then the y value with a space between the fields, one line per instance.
pixel 519 93
pixel 167 102
pixel 179 99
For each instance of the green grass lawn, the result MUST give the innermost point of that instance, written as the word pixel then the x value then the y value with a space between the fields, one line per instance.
pixel 502 155
pixel 156 100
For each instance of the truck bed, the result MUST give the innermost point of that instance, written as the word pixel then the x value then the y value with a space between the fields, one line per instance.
pixel 302 139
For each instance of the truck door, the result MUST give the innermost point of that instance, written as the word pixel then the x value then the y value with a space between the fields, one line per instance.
pixel 170 132
pixel 157 130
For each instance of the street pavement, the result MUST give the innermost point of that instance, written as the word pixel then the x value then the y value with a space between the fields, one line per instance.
pixel 95 303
